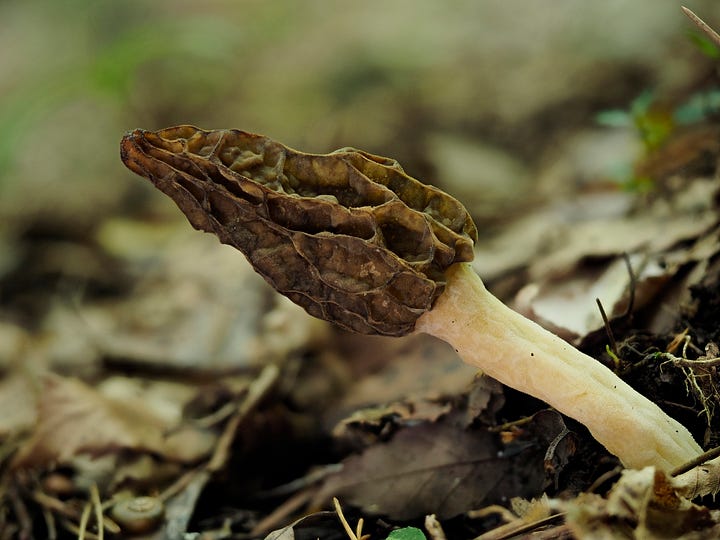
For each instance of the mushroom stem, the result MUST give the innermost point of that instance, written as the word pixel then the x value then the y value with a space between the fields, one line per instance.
pixel 523 355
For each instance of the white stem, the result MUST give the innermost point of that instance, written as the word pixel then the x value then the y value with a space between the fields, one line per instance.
pixel 523 355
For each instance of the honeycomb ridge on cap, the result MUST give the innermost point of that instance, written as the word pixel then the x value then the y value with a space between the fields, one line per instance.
pixel 348 235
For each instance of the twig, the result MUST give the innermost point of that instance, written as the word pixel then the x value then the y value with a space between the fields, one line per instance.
pixel 21 512
pixel 434 528
pixel 354 535
pixel 606 476
pixel 632 285
pixel 74 529
pixel 702 25
pixel 313 477
pixel 256 392
pixel 608 328
pixel 53 504
pixel 702 458
pixel 510 530
pixel 502 512
pixel 84 518
pixel 281 513
pixel 49 523
pixel 179 485
pixel 699 362
pixel 680 338
pixel 97 505
pixel 509 425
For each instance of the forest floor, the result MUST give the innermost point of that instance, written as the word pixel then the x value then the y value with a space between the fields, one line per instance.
pixel 151 383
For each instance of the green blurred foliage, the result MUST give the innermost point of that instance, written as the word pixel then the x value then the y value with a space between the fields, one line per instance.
pixel 316 75
pixel 115 46
pixel 82 73
pixel 704 44
pixel 654 123
pixel 406 533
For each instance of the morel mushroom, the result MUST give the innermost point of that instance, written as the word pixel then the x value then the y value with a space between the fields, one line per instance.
pixel 356 241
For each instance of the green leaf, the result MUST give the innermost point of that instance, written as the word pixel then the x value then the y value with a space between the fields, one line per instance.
pixel 614 118
pixel 406 533
pixel 640 106
pixel 699 107
pixel 704 44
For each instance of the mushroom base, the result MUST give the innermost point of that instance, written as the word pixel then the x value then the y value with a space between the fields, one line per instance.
pixel 521 354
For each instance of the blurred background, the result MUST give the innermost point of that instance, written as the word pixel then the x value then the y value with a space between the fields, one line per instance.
pixel 510 106
pixel 476 93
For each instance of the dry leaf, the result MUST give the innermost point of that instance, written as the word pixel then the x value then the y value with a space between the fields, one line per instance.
pixel 484 398
pixel 642 505
pixel 17 401
pixel 548 427
pixel 417 365
pixel 370 425
pixel 656 229
pixel 200 307
pixel 438 468
pixel 430 468
pixel 699 481
pixel 73 418
pixel 323 525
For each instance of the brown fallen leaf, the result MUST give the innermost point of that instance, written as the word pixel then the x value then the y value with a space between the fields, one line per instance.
pixel 548 427
pixel 699 481
pixel 643 505
pixel 323 525
pixel 387 370
pixel 74 418
pixel 17 403
pixel 480 400
pixel 183 314
pixel 372 424
pixel 438 468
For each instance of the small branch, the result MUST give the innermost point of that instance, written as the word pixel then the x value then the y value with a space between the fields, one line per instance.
pixel 84 519
pixel 354 535
pixel 702 25
pixel 700 362
pixel 608 328
pixel 517 528
pixel 702 458
pixel 434 528
pixel 632 286
pixel 256 392
pixel 97 506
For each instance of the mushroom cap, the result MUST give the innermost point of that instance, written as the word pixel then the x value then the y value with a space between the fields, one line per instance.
pixel 349 236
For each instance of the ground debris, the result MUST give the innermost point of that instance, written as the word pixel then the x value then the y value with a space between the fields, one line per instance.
pixel 643 504
pixel 443 466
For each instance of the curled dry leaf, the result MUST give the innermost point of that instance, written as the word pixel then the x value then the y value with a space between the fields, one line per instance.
pixel 348 235
pixel 699 481
pixel 74 419
pixel 183 312
pixel 437 467
pixel 432 467
pixel 318 525
pixel 642 504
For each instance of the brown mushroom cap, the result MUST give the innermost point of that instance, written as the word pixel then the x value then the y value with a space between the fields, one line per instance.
pixel 348 235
